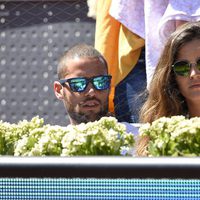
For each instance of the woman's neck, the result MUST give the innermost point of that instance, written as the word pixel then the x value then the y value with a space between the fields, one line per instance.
pixel 194 109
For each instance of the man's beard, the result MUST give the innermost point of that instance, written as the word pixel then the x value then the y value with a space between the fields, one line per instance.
pixel 85 118
pixel 80 117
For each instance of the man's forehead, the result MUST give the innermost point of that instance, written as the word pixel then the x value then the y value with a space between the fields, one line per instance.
pixel 83 63
pixel 83 60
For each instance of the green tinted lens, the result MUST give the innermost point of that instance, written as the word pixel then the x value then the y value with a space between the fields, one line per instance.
pixel 101 82
pixel 198 64
pixel 77 84
pixel 182 68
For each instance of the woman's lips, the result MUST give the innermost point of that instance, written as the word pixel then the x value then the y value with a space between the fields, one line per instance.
pixel 195 85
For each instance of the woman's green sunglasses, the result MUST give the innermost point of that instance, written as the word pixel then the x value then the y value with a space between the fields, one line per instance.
pixel 182 68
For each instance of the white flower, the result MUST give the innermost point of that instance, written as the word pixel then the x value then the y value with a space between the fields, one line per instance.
pixel 33 138
pixel 175 136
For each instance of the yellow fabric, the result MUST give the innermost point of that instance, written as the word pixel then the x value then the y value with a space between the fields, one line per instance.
pixel 120 47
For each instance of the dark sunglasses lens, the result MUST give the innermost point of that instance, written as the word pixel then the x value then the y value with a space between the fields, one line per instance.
pixel 78 84
pixel 182 68
pixel 198 64
pixel 101 82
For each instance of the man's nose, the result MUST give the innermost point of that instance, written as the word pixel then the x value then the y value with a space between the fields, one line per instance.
pixel 90 90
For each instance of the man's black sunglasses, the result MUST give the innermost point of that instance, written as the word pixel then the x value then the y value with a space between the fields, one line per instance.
pixel 80 84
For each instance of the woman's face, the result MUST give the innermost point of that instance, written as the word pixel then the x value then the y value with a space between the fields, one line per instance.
pixel 190 85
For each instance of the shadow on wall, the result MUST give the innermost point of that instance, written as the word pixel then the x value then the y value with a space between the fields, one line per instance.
pixel 33 35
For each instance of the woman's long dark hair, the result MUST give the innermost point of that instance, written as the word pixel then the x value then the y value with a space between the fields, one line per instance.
pixel 164 98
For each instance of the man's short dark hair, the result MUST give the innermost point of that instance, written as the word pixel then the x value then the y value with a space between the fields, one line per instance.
pixel 78 51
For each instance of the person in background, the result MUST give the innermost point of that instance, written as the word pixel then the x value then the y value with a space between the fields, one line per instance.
pixel 154 21
pixel 124 52
pixel 84 84
pixel 175 86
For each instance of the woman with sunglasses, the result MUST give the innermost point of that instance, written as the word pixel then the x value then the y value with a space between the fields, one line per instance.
pixel 83 84
pixel 175 87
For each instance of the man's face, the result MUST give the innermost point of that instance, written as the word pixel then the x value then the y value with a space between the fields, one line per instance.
pixel 91 104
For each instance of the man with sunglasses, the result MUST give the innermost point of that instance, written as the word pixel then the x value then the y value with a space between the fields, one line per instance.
pixel 83 84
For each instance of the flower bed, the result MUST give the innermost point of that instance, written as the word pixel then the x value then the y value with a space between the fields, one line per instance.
pixel 33 138
pixel 175 136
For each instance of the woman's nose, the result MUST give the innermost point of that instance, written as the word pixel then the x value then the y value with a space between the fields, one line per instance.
pixel 194 72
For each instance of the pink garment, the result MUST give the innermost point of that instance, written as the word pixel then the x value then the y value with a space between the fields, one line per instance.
pixel 185 10
pixel 154 20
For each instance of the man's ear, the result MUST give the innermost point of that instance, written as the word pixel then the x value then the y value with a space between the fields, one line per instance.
pixel 58 90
